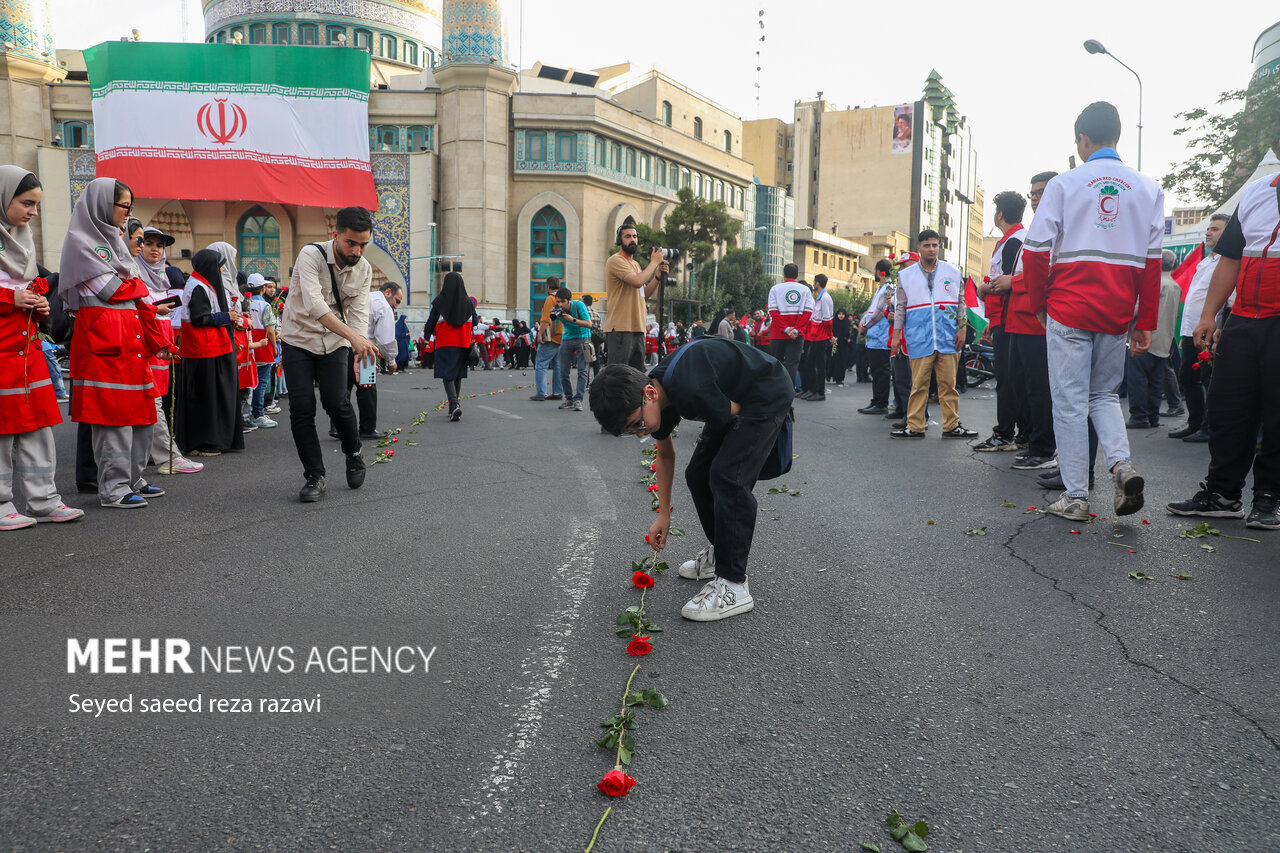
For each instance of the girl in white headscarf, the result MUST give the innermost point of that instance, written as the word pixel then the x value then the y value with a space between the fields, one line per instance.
pixel 116 333
pixel 28 405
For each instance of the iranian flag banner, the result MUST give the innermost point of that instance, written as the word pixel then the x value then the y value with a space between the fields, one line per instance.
pixel 974 309
pixel 228 122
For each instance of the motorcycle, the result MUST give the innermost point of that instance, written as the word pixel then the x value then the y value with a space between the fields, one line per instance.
pixel 979 364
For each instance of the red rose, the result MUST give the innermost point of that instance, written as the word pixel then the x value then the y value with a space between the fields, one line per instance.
pixel 653 467
pixel 642 580
pixel 39 285
pixel 1195 367
pixel 986 279
pixel 653 487
pixel 391 453
pixel 1204 355
pixel 639 646
pixel 616 783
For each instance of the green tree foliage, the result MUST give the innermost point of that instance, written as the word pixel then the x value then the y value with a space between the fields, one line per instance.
pixel 852 301
pixel 741 283
pixel 697 226
pixel 1225 145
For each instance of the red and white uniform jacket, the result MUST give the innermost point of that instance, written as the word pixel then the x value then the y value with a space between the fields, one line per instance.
pixel 1104 224
pixel 246 370
pixel 27 400
pixel 819 328
pixel 994 303
pixel 117 332
pixel 259 313
pixel 202 341
pixel 1254 231
pixel 790 307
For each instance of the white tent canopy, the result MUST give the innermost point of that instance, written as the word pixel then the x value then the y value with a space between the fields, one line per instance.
pixel 1269 166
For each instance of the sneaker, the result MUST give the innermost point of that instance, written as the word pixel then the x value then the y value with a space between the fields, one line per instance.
pixel 247 426
pixel 959 431
pixel 16 521
pixel 64 399
pixel 905 433
pixel 180 466
pixel 873 410
pixel 264 422
pixel 995 444
pixel 1072 509
pixel 375 434
pixel 538 398
pixel 1129 485
pixel 1053 480
pixel 555 396
pixel 895 416
pixel 1131 424
pixel 577 405
pixel 1198 437
pixel 1208 504
pixel 311 492
pixel 719 599
pixel 899 425
pixel 701 567
pixel 456 414
pixel 1034 463
pixel 1174 413
pixel 149 491
pixel 61 513
pixel 1264 515
pixel 1184 432
pixel 567 404
pixel 273 409
pixel 355 471
pixel 205 453
pixel 129 501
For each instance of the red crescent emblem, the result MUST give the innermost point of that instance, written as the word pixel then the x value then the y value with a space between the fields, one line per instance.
pixel 1108 204
pixel 222 122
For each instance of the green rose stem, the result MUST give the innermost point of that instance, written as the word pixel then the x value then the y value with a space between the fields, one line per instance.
pixel 598 825
pixel 626 691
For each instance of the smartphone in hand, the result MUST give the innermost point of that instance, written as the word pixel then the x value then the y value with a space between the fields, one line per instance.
pixel 368 372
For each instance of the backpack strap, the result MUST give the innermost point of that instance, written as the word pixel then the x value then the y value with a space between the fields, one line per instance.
pixel 333 282
pixel 671 365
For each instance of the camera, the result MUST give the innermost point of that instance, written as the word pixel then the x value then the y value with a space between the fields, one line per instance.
pixel 556 313
pixel 667 254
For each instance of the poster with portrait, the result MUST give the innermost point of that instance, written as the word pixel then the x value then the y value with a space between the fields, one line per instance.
pixel 903 122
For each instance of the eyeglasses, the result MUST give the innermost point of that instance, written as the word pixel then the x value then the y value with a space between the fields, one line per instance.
pixel 638 429
pixel 125 207
pixel 1036 193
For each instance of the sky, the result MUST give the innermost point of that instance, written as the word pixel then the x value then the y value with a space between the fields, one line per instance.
pixel 1019 73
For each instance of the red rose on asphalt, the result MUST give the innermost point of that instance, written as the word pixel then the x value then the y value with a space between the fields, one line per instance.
pixel 642 580
pixel 616 783
pixel 639 646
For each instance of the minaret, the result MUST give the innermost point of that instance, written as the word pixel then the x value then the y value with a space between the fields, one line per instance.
pixel 473 117
pixel 27 62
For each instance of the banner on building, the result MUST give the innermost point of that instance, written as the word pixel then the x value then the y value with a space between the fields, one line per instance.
pixel 903 124
pixel 229 122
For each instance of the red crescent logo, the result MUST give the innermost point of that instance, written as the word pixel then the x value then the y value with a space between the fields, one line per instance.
pixel 222 122
pixel 1108 204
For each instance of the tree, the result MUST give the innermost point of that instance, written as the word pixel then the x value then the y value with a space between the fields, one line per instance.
pixel 697 226
pixel 853 302
pixel 741 283
pixel 1227 146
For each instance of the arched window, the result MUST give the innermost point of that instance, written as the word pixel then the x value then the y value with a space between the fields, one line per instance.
pixel 419 138
pixel 335 35
pixel 429 60
pixel 280 33
pixel 363 39
pixel 697 128
pixel 546 253
pixel 257 34
pixel 666 113
pixel 237 31
pixel 728 141
pixel 387 46
pixel 386 137
pixel 76 134
pixel 308 34
pixel 631 162
pixel 697 184
pixel 258 236
pixel 410 52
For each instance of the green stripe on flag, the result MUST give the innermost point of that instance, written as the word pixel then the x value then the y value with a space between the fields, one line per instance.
pixel 288 66
pixel 976 320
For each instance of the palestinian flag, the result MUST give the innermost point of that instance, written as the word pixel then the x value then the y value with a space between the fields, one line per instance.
pixel 229 122
pixel 973 307
pixel 1187 269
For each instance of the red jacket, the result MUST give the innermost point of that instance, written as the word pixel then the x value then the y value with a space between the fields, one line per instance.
pixel 27 400
pixel 115 337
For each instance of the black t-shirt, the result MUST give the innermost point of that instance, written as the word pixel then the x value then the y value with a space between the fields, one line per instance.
pixel 715 371
pixel 1009 255
pixel 1231 243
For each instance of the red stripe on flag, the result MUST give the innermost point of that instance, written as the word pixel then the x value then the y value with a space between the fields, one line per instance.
pixel 207 180
pixel 970 293
pixel 1187 269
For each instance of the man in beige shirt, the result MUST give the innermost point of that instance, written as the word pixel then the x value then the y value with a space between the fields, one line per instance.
pixel 328 301
pixel 628 287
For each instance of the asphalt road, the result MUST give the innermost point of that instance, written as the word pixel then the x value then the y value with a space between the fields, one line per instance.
pixel 1015 689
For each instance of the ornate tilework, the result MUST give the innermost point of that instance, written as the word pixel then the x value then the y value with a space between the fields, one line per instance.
pixel 391 223
pixel 473 31
pixel 28 26
pixel 82 168
pixel 411 16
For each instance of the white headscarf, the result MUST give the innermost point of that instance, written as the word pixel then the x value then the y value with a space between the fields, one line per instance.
pixel 94 245
pixel 227 253
pixel 17 244
pixel 154 274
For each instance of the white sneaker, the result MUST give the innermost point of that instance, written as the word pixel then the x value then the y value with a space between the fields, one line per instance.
pixel 180 466
pixel 273 409
pixel 1072 509
pixel 16 521
pixel 264 422
pixel 61 512
pixel 701 567
pixel 719 599
pixel 1129 484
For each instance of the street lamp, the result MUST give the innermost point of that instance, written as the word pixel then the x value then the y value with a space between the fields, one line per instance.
pixel 1095 46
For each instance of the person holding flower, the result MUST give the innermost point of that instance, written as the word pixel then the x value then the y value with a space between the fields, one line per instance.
pixel 30 407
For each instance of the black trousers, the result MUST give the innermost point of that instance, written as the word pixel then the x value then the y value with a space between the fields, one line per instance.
pixel 86 465
pixel 721 474
pixel 878 363
pixel 366 400
pixel 788 352
pixel 1031 385
pixel 1243 396
pixel 303 370
pixel 814 367
pixel 1011 415
pixel 1194 378
pixel 902 384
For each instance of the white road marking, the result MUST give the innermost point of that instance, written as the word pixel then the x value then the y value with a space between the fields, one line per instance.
pixel 500 412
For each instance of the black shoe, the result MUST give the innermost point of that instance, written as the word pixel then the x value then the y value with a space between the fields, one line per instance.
pixel 87 488
pixel 456 414
pixel 1198 437
pixel 555 396
pixel 995 444
pixel 355 471
pixel 311 492
pixel 905 433
pixel 873 410
pixel 333 433
pixel 1132 424
pixel 902 424
pixel 1208 504
pixel 377 434
pixel 1264 515
pixel 960 432
pixel 1174 413
pixel 248 426
pixel 1052 481
pixel 150 491
pixel 1184 432
pixel 816 398
pixel 895 415
pixel 1034 463
pixel 538 398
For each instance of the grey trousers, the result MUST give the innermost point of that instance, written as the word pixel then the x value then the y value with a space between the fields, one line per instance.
pixel 27 461
pixel 161 440
pixel 122 453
